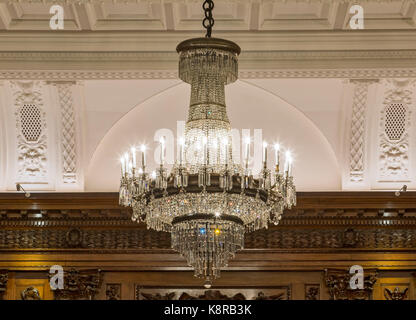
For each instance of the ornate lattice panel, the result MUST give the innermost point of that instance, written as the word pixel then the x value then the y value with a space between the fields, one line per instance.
pixel 395 121
pixel 31 120
pixel 394 132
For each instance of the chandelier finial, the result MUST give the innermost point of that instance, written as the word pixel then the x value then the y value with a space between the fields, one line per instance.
pixel 208 21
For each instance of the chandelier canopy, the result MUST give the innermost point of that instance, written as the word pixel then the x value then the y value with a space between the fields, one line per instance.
pixel 207 201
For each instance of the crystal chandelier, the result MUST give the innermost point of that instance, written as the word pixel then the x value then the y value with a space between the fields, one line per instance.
pixel 207 201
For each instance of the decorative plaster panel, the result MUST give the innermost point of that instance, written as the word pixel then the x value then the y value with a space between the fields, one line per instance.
pixel 394 132
pixel 31 132
pixel 30 139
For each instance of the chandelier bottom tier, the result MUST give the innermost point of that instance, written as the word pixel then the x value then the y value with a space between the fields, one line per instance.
pixel 207 242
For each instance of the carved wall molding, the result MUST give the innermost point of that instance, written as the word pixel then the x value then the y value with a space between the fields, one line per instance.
pixel 172 74
pixel 79 284
pixel 4 276
pixel 113 291
pixel 396 294
pixel 394 131
pixel 68 132
pixel 220 293
pixel 277 238
pixel 74 219
pixel 312 292
pixel 31 132
pixel 338 283
pixel 358 129
pixel 30 293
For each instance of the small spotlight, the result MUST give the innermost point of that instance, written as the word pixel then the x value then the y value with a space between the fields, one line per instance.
pixel 20 188
pixel 402 189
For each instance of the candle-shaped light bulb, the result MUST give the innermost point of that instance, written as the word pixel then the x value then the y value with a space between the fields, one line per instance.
pixel 247 141
pixel 123 166
pixel 181 145
pixel 162 150
pixel 143 150
pixel 153 175
pixel 140 171
pixel 277 156
pixel 265 153
pixel 288 161
pixel 133 156
pixel 126 162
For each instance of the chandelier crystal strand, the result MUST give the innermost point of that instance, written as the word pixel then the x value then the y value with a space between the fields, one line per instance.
pixel 207 202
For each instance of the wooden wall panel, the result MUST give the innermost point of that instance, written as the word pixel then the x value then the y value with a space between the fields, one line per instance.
pixel 91 233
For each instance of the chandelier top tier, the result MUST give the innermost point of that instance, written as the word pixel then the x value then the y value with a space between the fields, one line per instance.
pixel 219 56
pixel 208 200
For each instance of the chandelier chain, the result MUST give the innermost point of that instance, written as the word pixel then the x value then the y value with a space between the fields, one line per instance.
pixel 208 21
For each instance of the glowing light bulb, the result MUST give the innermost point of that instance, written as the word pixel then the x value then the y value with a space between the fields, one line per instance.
pixel 202 231
pixel 276 156
pixel 217 231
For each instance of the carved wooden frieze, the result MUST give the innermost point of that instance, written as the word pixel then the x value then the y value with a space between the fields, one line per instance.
pixel 79 285
pixel 396 293
pixel 223 293
pixel 30 293
pixel 4 276
pixel 113 291
pixel 130 238
pixel 338 283
pixel 312 292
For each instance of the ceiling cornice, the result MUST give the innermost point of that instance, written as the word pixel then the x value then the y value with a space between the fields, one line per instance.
pixel 147 55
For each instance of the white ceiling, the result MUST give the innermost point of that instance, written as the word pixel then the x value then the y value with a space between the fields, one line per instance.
pixel 180 15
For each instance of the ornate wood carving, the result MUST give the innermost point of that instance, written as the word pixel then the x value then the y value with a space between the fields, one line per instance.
pixel 30 293
pixel 338 283
pixel 74 237
pixel 79 285
pixel 396 294
pixel 276 238
pixel 113 291
pixel 312 292
pixel 94 221
pixel 4 276
pixel 272 293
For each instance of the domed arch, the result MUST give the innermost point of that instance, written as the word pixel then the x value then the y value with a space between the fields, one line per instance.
pixel 249 107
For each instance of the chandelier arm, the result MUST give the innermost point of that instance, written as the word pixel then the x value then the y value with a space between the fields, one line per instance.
pixel 208 21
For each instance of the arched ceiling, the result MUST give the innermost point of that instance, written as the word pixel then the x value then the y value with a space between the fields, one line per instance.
pixel 249 107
